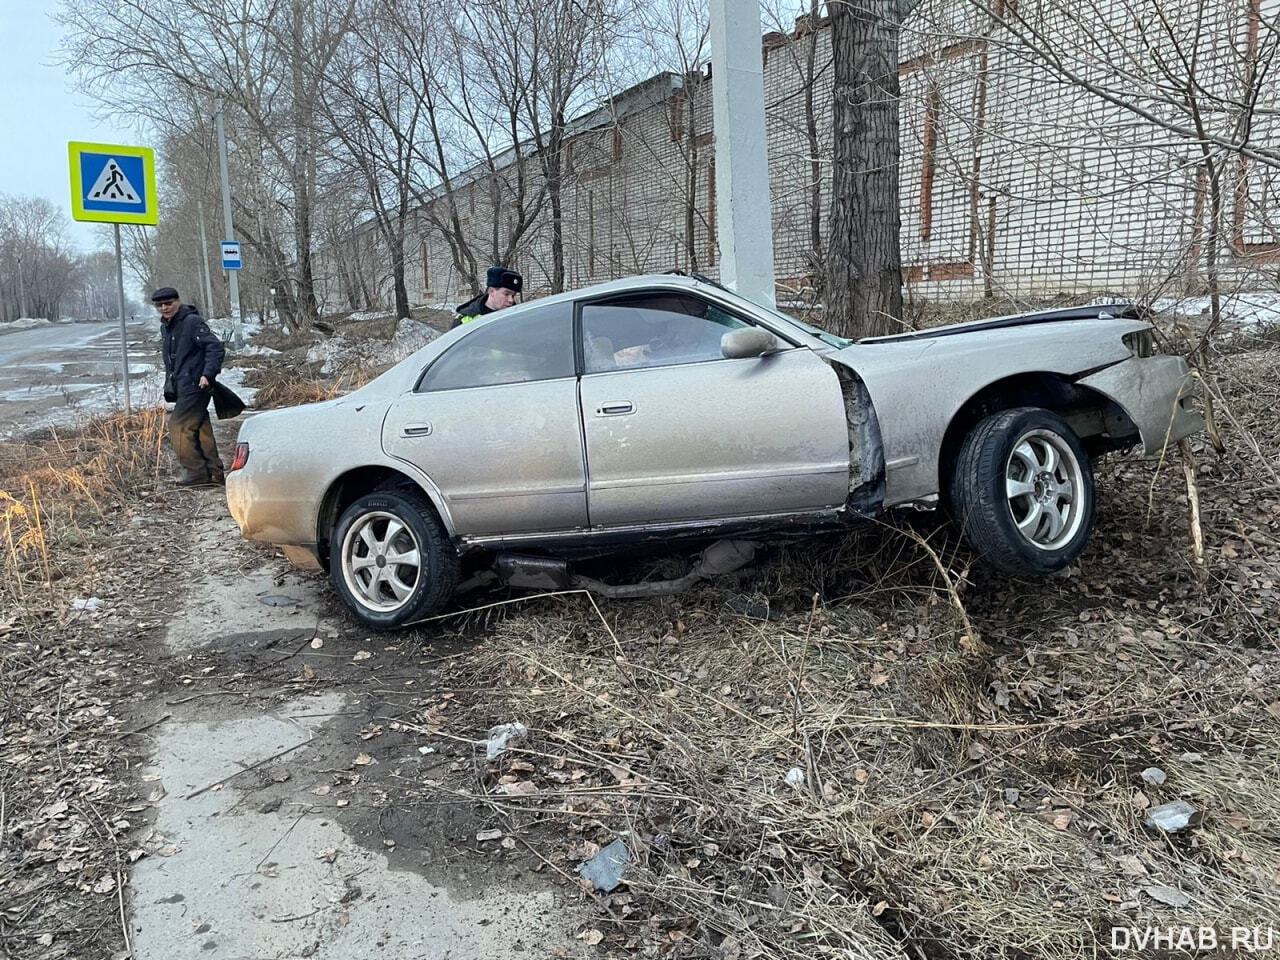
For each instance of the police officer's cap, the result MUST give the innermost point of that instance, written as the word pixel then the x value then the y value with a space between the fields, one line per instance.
pixel 164 293
pixel 502 277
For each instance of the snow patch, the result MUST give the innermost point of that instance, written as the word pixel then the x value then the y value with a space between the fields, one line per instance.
pixel 1247 309
pixel 340 351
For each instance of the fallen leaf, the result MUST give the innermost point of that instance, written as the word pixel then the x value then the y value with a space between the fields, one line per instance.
pixel 307 672
pixel 322 790
pixel 880 908
pixel 591 937
pixel 362 655
pixel 328 854
pixel 105 885
pixel 363 760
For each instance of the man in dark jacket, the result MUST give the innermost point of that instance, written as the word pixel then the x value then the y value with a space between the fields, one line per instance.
pixel 501 287
pixel 192 359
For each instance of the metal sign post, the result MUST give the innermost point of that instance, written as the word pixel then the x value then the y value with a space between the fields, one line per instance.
pixel 124 333
pixel 115 184
pixel 233 279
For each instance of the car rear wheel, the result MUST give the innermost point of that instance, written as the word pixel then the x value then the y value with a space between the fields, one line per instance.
pixel 1023 491
pixel 391 560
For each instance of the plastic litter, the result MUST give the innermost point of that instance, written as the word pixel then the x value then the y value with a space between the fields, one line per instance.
pixel 500 736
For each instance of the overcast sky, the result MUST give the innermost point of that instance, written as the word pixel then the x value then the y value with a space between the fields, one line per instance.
pixel 40 113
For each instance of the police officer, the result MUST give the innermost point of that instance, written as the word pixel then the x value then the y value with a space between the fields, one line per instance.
pixel 501 287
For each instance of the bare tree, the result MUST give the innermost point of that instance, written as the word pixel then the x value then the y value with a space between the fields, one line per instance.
pixel 36 263
pixel 266 58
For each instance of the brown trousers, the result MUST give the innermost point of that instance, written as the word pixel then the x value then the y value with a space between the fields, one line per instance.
pixel 191 434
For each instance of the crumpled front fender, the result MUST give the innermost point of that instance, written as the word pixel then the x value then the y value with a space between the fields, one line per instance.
pixel 1157 394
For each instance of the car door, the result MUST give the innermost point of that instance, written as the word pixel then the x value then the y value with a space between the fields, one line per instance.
pixel 494 422
pixel 676 432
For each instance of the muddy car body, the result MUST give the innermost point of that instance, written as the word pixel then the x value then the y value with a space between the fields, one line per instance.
pixel 665 406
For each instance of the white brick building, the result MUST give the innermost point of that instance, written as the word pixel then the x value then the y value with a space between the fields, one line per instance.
pixel 1017 178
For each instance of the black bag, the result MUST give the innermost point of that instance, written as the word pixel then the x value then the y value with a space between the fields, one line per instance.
pixel 170 394
pixel 225 402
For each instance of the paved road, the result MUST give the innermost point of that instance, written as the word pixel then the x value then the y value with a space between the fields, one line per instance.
pixel 52 376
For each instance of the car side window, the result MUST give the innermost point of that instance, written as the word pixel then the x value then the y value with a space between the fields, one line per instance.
pixel 533 344
pixel 653 330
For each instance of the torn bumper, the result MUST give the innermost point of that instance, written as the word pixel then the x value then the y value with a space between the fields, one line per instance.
pixel 1157 394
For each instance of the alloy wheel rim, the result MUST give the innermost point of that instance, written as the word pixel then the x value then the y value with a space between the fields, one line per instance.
pixel 381 561
pixel 1045 490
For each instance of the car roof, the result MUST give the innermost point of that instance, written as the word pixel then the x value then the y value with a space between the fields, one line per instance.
pixel 644 281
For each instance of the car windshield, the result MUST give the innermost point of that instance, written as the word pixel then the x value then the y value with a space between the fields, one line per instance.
pixel 823 335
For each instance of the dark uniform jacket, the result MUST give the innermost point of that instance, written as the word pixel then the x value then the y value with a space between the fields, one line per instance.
pixel 473 309
pixel 191 351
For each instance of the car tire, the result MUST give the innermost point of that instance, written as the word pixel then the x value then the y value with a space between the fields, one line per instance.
pixel 373 534
pixel 1022 491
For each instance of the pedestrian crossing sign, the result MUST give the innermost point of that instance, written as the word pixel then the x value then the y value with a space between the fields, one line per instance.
pixel 112 183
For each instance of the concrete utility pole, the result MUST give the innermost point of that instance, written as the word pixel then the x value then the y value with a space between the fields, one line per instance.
pixel 22 290
pixel 204 262
pixel 233 277
pixel 744 222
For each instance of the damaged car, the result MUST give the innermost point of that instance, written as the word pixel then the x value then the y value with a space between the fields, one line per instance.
pixel 663 407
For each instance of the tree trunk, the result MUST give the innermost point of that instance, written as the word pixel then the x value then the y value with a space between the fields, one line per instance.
pixel 864 265
pixel 555 184
pixel 303 172
pixel 817 261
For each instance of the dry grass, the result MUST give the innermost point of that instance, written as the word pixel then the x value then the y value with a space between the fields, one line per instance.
pixel 54 491
pixel 955 799
pixel 65 677
pixel 279 387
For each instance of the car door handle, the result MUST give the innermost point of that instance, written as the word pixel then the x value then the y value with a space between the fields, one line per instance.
pixel 615 408
pixel 415 430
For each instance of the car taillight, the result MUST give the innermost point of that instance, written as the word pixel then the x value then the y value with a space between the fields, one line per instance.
pixel 242 456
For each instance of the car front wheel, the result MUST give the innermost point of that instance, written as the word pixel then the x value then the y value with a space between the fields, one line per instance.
pixel 1023 491
pixel 391 561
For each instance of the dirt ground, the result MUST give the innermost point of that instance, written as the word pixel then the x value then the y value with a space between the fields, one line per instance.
pixel 863 746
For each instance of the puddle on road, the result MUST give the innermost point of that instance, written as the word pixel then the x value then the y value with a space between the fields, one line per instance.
pixel 292 883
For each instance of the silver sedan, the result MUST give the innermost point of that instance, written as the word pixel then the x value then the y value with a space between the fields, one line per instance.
pixel 666 406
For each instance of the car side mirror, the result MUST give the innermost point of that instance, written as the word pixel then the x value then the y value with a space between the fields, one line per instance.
pixel 747 342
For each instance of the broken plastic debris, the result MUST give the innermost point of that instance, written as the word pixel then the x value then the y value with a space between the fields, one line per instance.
pixel 795 777
pixel 501 735
pixel 1167 895
pixel 1154 776
pixel 604 870
pixel 1172 817
pixel 92 604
